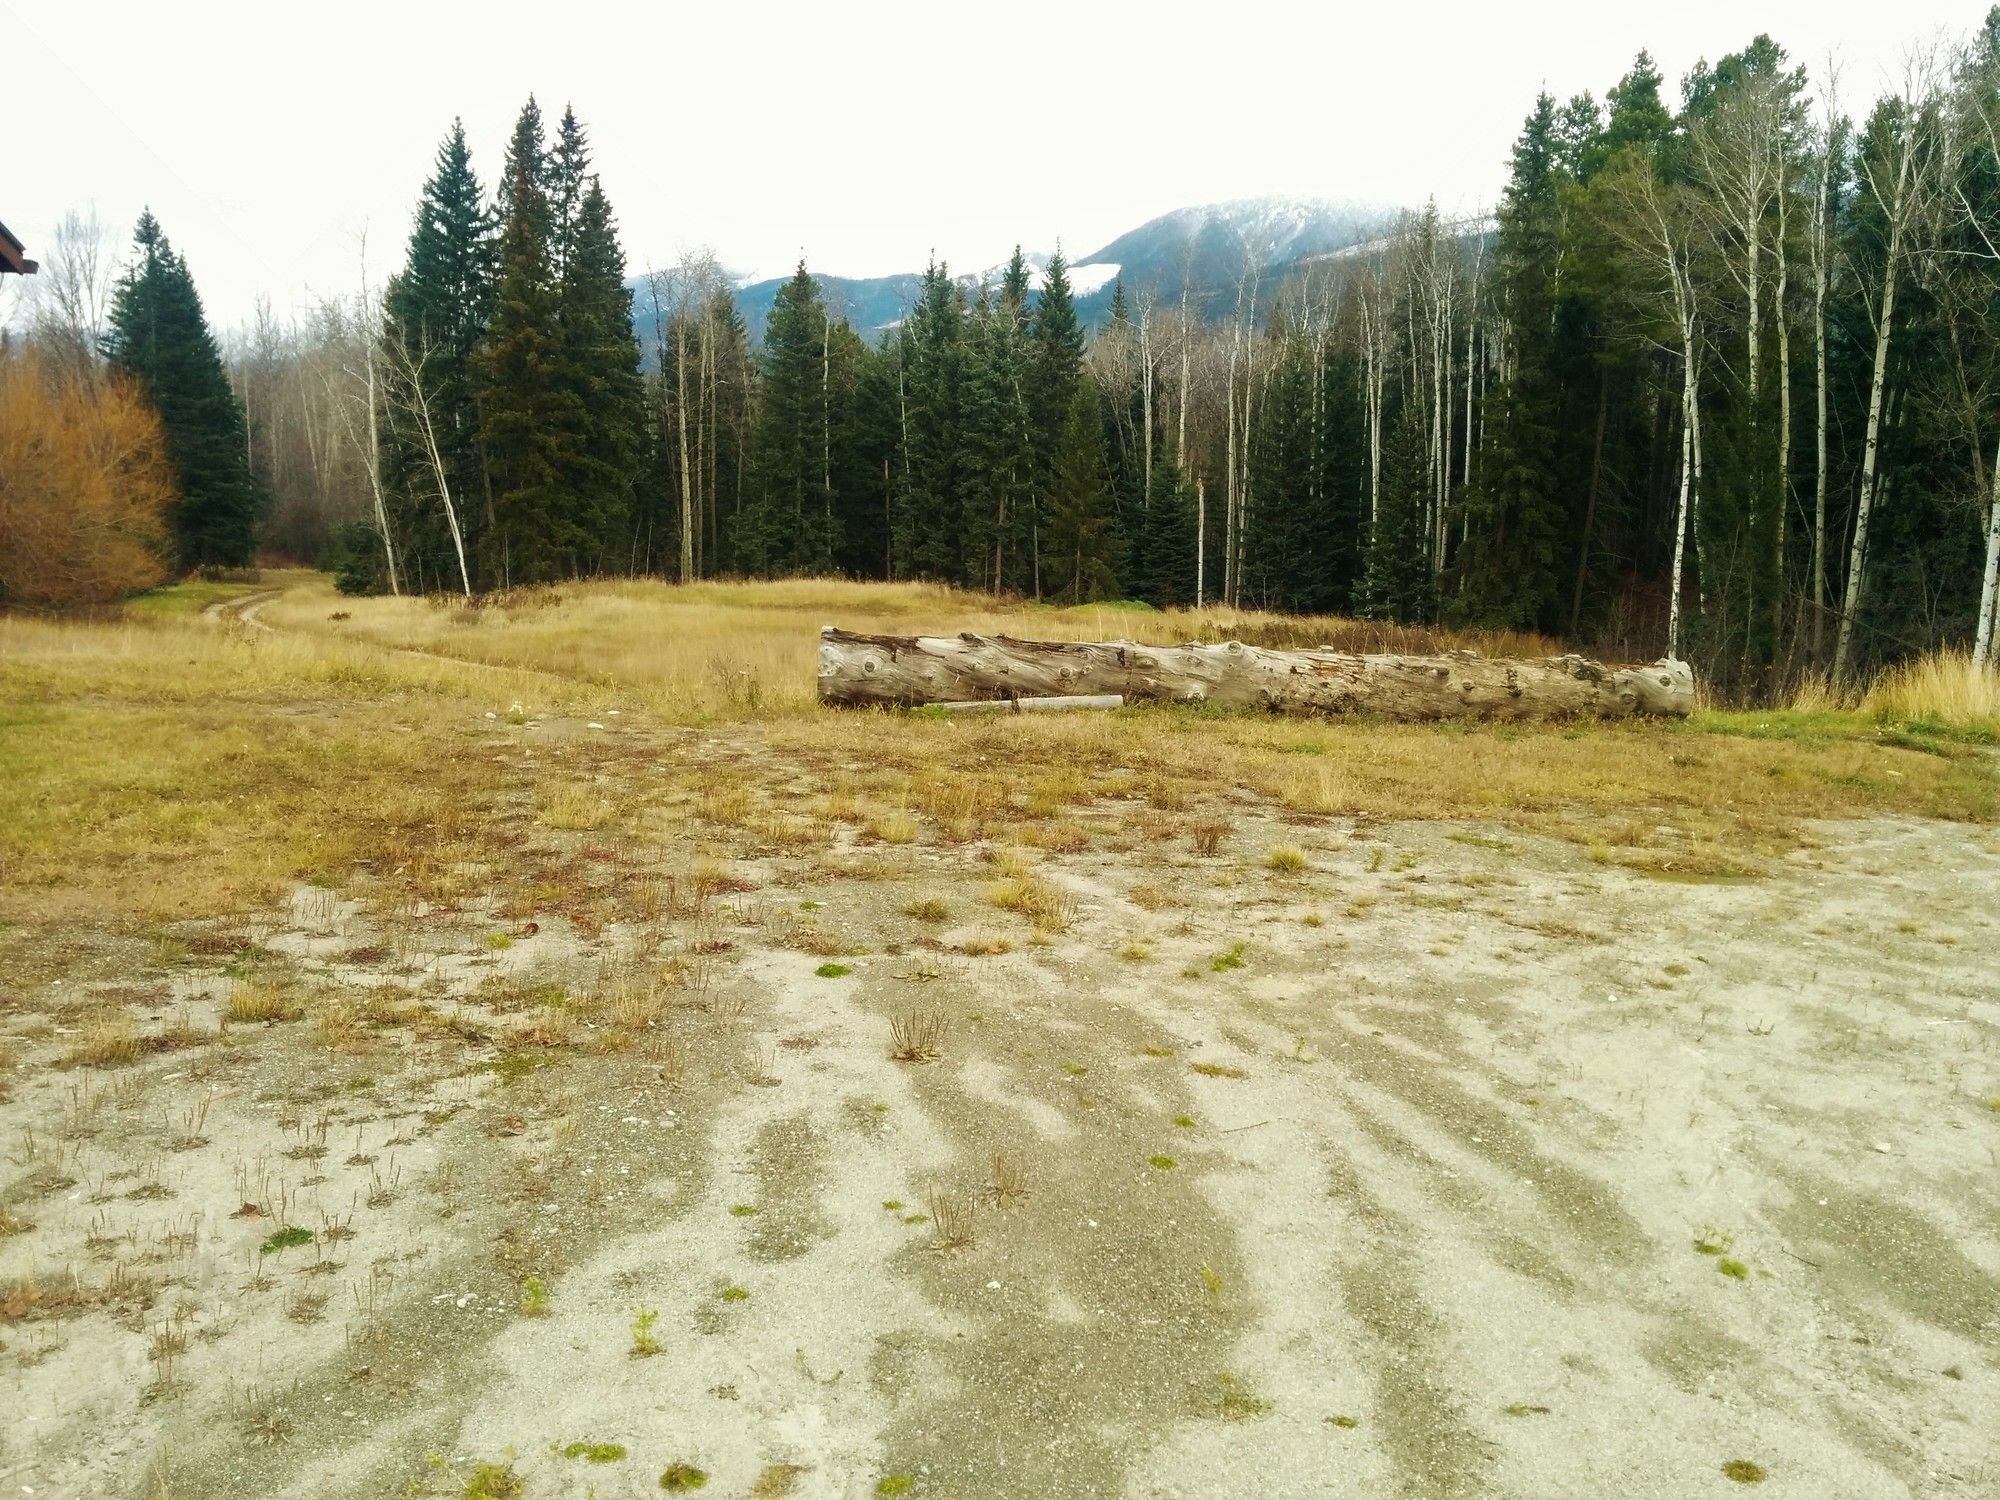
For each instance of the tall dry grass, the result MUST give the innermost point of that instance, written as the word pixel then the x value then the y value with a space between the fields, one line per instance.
pixel 1944 687
pixel 725 650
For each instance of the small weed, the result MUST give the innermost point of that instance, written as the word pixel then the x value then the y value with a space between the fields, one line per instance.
pixel 742 1210
pixel 1212 1279
pixel 534 1298
pixel 493 1482
pixel 643 1342
pixel 1743 1471
pixel 1161 1163
pixel 1236 1402
pixel 1229 958
pixel 1218 1070
pixel 1206 834
pixel 1711 1242
pixel 1010 1176
pixel 777 1480
pixel 306 1307
pixel 680 1478
pixel 952 1213
pixel 917 1036
pixel 832 970
pixel 597 1453
pixel 1523 1409
pixel 288 1238
pixel 1345 1422
pixel 1186 1122
pixel 733 1294
pixel 895 1484
pixel 1734 1269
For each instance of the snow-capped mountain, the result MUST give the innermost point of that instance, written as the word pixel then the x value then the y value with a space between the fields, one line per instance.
pixel 1206 247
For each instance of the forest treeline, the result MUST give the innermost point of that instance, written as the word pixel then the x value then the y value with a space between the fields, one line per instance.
pixel 1718 379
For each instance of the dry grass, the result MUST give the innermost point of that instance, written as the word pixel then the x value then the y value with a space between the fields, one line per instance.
pixel 723 651
pixel 1945 687
pixel 162 767
pixel 1048 907
pixel 107 1041
pixel 251 1002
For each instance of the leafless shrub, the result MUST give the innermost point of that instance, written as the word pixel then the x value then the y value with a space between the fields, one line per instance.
pixel 918 1035
pixel 952 1214
pixel 1010 1176
pixel 1207 834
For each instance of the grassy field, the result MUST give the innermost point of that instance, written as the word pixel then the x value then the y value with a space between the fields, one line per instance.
pixel 171 766
pixel 418 1018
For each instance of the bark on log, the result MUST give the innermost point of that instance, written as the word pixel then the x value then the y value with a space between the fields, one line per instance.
pixel 914 670
pixel 1031 705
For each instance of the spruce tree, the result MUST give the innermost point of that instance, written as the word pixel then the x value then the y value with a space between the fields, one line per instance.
pixel 1509 568
pixel 159 336
pixel 1398 583
pixel 436 310
pixel 929 520
pixel 526 414
pixel 791 526
pixel 1164 562
pixel 1079 540
pixel 998 460
pixel 606 397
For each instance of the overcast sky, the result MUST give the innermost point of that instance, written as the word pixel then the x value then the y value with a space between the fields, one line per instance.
pixel 267 136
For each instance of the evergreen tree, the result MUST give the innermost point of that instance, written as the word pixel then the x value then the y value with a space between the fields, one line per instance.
pixel 436 311
pixel 527 417
pixel 600 372
pixel 999 460
pixel 792 526
pixel 1079 541
pixel 159 336
pixel 1509 570
pixel 1164 561
pixel 929 524
pixel 1398 583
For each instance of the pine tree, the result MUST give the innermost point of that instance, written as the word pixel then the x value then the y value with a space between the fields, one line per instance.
pixel 791 526
pixel 1398 583
pixel 1079 540
pixel 1163 566
pixel 1515 512
pixel 436 310
pixel 999 461
pixel 929 523
pixel 159 336
pixel 606 395
pixel 526 416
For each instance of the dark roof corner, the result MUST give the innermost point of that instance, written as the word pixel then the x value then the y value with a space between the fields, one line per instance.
pixel 14 255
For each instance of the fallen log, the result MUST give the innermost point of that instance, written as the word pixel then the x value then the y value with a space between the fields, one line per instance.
pixel 858 670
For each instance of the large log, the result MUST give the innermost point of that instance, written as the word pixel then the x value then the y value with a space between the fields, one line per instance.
pixel 915 670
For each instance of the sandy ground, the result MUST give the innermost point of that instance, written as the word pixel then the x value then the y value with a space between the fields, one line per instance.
pixel 1478 1168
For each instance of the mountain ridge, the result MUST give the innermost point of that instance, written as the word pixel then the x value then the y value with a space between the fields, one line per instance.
pixel 1206 245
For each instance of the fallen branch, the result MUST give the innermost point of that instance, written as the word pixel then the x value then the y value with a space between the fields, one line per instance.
pixel 859 670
